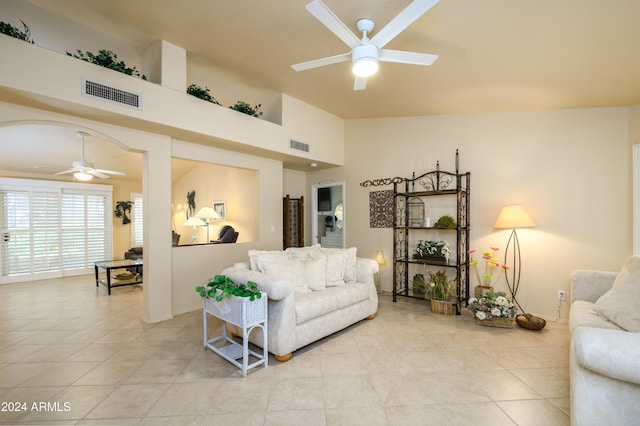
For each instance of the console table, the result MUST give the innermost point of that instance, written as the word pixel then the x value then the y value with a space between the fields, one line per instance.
pixel 110 265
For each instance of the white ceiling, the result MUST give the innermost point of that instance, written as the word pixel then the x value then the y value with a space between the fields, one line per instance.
pixel 495 55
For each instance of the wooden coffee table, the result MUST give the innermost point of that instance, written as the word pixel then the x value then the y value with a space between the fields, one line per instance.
pixel 132 276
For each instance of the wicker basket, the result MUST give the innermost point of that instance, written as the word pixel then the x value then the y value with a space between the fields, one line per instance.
pixel 238 310
pixel 479 289
pixel 441 307
pixel 497 322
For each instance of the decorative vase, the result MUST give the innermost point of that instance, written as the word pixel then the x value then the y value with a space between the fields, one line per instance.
pixel 497 322
pixel 479 290
pixel 441 307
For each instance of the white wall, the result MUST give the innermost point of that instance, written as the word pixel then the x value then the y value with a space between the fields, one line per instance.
pixel 569 168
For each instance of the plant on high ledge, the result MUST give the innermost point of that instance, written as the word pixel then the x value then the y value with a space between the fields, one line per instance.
pixel 199 92
pixel 246 108
pixel 108 59
pixel 221 286
pixel 10 30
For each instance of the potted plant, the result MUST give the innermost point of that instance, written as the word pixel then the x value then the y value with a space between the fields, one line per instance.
pixel 419 285
pixel 440 292
pixel 122 208
pixel 108 59
pixel 493 309
pixel 221 286
pixel 489 276
pixel 446 222
pixel 245 108
pixel 200 93
pixel 10 30
pixel 435 251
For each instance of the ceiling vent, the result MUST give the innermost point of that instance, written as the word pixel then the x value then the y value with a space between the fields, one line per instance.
pixel 102 91
pixel 300 146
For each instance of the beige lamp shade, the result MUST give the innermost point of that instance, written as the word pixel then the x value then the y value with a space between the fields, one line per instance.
pixel 514 216
pixel 194 221
pixel 380 257
pixel 207 213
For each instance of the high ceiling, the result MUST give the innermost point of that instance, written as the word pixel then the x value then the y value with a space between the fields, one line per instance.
pixel 495 55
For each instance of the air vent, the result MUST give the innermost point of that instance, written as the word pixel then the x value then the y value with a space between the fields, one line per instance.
pixel 110 93
pixel 300 146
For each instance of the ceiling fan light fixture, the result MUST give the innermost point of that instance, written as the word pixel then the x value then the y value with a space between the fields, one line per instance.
pixel 82 176
pixel 365 60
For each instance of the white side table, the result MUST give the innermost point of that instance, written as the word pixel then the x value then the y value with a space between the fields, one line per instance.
pixel 245 314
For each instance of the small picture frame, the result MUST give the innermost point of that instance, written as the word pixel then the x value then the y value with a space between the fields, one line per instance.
pixel 220 207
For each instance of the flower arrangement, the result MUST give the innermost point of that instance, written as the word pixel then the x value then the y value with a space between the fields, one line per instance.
pixel 433 248
pixel 492 305
pixel 221 286
pixel 439 286
pixel 491 264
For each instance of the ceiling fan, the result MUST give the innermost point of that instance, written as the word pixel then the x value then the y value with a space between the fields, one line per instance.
pixel 365 53
pixel 85 171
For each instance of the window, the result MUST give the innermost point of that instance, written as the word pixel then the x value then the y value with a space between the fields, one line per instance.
pixel 52 229
pixel 136 220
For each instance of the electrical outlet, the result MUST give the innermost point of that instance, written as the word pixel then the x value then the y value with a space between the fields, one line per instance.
pixel 562 295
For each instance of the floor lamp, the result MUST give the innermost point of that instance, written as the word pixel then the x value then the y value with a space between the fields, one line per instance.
pixel 513 216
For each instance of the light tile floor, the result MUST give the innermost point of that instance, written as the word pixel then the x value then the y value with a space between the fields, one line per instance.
pixel 87 358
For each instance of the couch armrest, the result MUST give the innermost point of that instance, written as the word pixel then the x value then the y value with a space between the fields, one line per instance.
pixel 365 269
pixel 275 287
pixel 608 352
pixel 590 285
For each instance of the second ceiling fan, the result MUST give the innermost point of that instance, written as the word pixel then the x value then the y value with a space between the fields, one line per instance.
pixel 365 53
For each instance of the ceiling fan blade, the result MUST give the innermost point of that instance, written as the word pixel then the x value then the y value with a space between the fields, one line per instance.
pixel 360 83
pixel 402 21
pixel 111 172
pixel 302 66
pixel 96 173
pixel 403 57
pixel 333 23
pixel 65 172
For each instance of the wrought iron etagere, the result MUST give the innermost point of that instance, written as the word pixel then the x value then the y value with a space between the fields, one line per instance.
pixel 430 184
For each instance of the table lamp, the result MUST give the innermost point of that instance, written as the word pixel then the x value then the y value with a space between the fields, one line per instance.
pixel 206 214
pixel 195 222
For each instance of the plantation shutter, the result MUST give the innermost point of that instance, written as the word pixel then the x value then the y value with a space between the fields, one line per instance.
pixel 52 229
pixel 16 245
pixel 136 220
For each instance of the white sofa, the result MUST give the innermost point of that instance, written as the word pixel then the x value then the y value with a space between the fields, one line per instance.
pixel 605 346
pixel 313 292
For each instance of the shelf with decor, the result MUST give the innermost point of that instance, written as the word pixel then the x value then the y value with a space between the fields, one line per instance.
pixel 419 246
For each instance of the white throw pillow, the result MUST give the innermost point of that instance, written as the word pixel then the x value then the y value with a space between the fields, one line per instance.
pixel 287 269
pixel 303 252
pixel 349 274
pixel 621 304
pixel 313 271
pixel 334 270
pixel 256 256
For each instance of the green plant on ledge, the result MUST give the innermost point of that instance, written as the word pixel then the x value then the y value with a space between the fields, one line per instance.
pixel 228 288
pixel 10 30
pixel 245 108
pixel 199 92
pixel 108 59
